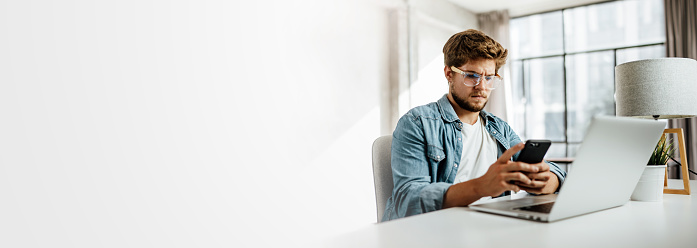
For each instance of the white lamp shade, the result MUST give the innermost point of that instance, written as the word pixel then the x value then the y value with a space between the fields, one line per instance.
pixel 665 87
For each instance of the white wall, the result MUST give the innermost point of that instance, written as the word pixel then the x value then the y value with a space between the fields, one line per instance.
pixel 432 24
pixel 181 123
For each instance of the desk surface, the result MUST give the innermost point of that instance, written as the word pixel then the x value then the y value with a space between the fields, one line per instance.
pixel 671 223
pixel 561 160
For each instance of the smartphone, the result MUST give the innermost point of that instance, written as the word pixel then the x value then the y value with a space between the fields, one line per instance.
pixel 534 151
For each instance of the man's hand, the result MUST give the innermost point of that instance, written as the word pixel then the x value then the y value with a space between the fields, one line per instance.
pixel 543 182
pixel 505 175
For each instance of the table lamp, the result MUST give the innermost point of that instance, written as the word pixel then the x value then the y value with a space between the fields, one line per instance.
pixel 664 88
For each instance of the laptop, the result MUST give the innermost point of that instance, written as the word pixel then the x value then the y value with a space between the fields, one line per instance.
pixel 607 167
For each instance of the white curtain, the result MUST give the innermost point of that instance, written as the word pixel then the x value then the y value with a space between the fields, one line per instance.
pixel 495 24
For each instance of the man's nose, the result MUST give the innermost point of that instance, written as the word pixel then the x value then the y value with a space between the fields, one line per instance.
pixel 481 85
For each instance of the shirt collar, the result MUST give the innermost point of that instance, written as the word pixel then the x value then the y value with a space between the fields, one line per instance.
pixel 446 110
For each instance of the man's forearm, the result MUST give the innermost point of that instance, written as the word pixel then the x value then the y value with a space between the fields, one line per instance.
pixel 461 194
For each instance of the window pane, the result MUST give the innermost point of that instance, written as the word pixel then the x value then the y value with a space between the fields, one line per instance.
pixel 572 149
pixel 590 90
pixel 637 53
pixel 557 150
pixel 536 35
pixel 544 91
pixel 518 97
pixel 614 24
pixel 552 106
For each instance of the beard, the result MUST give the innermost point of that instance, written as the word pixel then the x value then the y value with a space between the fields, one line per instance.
pixel 472 107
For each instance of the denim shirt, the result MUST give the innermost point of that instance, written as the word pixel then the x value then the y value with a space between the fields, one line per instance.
pixel 426 153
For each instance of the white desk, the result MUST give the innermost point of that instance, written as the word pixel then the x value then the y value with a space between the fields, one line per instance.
pixel 671 223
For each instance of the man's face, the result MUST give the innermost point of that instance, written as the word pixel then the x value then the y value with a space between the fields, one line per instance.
pixel 470 98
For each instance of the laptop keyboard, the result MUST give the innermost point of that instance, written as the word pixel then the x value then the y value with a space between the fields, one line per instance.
pixel 540 208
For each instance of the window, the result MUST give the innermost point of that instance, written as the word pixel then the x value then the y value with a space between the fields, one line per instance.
pixel 563 65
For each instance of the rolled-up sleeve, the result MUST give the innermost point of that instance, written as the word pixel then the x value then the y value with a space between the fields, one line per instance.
pixel 561 174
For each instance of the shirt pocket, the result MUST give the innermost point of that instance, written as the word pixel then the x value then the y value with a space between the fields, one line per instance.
pixel 435 153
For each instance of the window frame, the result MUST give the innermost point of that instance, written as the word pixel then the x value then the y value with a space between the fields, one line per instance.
pixel 564 54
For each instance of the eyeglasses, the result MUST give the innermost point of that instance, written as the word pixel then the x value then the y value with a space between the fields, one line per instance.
pixel 473 79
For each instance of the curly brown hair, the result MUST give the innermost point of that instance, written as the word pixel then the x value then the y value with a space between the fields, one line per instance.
pixel 472 45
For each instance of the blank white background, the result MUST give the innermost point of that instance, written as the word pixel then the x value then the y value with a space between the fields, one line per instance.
pixel 181 123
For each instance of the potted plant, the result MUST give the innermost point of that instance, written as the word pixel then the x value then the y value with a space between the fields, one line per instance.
pixel 661 153
pixel 650 186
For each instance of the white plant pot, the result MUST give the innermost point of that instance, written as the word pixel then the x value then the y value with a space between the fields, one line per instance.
pixel 650 186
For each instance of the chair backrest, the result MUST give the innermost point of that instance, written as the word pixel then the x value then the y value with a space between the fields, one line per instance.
pixel 382 172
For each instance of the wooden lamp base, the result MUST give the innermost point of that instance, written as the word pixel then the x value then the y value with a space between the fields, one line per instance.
pixel 683 162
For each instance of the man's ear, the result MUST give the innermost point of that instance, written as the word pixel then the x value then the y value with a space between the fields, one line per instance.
pixel 448 74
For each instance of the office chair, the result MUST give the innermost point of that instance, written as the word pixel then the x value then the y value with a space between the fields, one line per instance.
pixel 382 172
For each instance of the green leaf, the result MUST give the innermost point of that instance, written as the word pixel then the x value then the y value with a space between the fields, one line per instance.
pixel 662 152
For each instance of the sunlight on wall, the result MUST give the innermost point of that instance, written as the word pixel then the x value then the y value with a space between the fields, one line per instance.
pixel 343 196
pixel 433 22
pixel 431 83
pixel 188 123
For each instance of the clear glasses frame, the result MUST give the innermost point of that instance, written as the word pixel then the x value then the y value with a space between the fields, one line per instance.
pixel 473 79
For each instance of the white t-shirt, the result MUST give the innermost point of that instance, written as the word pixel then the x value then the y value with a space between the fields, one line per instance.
pixel 478 152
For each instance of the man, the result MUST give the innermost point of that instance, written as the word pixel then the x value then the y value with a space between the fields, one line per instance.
pixel 451 153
